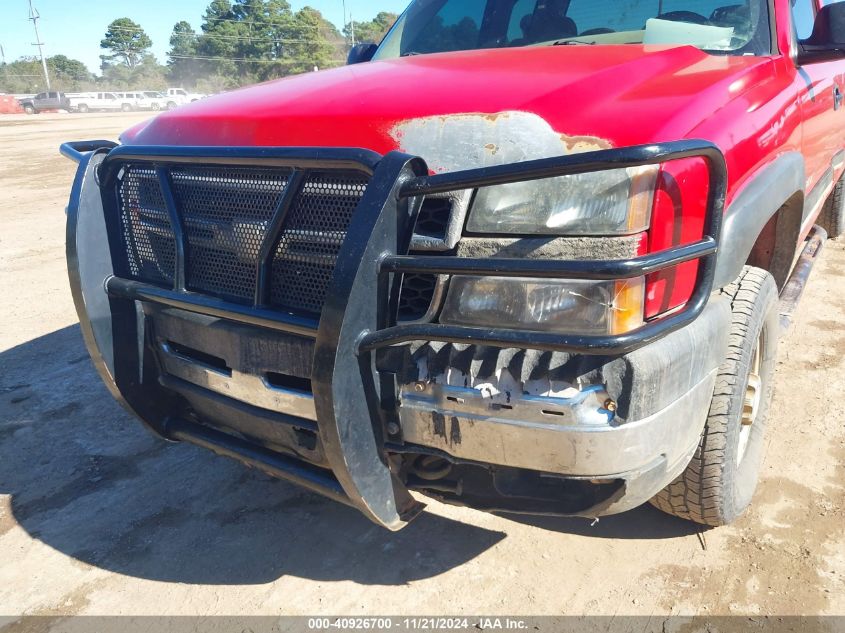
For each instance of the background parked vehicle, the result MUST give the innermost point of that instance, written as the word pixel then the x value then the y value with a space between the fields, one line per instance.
pixel 46 101
pixel 108 101
pixel 136 99
pixel 102 101
pixel 182 96
pixel 158 101
pixel 9 104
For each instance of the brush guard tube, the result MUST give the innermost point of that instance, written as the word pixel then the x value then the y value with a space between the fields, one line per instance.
pixel 359 316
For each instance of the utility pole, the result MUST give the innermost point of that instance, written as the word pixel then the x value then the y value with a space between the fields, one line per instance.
pixel 2 55
pixel 349 23
pixel 33 15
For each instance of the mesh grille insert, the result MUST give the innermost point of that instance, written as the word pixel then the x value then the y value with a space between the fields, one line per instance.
pixel 314 232
pixel 146 230
pixel 226 212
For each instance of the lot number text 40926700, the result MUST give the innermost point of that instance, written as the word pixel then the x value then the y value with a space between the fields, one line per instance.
pixel 415 624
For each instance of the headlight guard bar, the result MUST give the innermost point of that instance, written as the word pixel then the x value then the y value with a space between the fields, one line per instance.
pixel 704 249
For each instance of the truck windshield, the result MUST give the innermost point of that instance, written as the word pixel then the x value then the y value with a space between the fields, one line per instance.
pixel 736 27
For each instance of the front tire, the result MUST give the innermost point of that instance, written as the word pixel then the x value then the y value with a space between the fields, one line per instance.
pixel 832 217
pixel 83 109
pixel 719 483
pixel 29 109
pixel 126 107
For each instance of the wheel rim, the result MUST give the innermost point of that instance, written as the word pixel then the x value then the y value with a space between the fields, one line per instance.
pixel 751 402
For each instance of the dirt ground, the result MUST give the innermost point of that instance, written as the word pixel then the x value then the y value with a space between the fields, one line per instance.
pixel 99 517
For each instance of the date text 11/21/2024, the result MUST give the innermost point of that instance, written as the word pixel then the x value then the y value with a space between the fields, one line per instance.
pixel 417 624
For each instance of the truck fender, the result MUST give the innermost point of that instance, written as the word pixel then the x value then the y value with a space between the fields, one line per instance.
pixel 752 209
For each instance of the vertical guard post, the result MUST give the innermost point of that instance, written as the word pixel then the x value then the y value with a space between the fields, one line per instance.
pixel 346 393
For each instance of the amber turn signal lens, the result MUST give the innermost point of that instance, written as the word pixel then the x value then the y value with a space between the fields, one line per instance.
pixel 628 306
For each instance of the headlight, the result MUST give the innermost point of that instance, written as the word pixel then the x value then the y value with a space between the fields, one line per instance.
pixel 612 202
pixel 572 306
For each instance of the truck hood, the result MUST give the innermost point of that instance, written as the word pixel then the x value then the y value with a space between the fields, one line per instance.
pixel 479 107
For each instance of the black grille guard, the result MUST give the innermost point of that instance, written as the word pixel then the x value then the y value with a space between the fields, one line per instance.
pixel 360 312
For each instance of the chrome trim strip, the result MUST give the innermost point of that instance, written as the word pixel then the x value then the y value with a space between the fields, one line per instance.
pixel 247 388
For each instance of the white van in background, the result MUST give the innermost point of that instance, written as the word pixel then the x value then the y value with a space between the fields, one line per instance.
pixel 136 99
pixel 100 101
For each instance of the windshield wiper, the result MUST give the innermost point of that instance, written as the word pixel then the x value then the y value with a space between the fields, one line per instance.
pixel 572 43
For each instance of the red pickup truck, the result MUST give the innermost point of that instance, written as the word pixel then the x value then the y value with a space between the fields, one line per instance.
pixel 524 256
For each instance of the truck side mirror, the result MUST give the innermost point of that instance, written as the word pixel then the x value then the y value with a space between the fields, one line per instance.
pixel 361 53
pixel 828 38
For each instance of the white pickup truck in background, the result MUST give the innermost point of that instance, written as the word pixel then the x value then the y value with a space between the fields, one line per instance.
pixel 103 101
pixel 182 96
pixel 155 100
pixel 128 101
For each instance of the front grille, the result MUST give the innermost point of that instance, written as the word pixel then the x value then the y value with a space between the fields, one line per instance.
pixel 146 230
pixel 226 212
pixel 314 232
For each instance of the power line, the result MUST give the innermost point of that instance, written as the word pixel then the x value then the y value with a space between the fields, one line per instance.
pixel 286 24
pixel 249 61
pixel 248 22
pixel 327 26
pixel 207 36
pixel 246 38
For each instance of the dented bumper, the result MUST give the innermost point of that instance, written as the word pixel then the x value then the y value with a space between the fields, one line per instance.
pixel 639 422
pixel 575 433
pixel 350 436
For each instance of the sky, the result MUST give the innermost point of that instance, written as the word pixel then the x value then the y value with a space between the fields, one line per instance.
pixel 75 27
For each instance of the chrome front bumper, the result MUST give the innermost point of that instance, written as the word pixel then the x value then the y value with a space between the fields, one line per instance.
pixel 582 446
pixel 664 389
pixel 560 429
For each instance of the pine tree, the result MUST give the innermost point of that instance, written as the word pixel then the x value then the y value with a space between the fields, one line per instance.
pixel 127 42
pixel 182 62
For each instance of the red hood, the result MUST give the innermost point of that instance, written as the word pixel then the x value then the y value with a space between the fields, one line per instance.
pixel 610 95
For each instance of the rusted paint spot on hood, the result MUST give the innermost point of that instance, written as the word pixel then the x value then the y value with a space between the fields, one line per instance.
pixel 465 141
